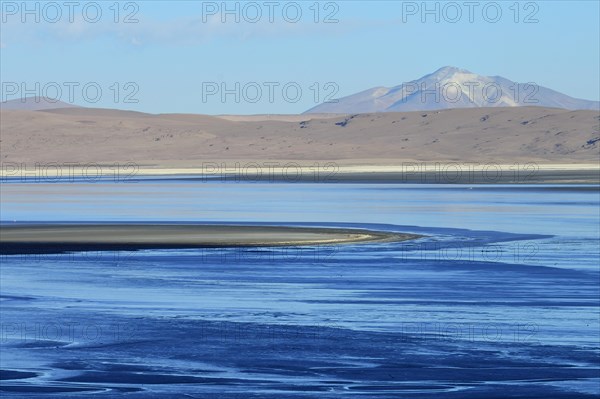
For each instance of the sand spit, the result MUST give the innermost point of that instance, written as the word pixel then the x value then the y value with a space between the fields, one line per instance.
pixel 97 237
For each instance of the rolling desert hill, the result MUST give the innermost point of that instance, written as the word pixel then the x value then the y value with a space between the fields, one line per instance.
pixel 34 104
pixel 82 135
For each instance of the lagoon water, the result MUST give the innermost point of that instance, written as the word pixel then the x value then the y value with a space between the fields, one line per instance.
pixel 500 298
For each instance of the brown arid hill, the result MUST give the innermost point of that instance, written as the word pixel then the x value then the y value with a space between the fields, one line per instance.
pixel 505 135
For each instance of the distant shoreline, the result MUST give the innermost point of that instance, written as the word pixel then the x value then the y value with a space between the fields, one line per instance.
pixel 409 172
pixel 452 172
pixel 59 238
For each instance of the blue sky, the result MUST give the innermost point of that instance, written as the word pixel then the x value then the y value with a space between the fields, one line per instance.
pixel 177 51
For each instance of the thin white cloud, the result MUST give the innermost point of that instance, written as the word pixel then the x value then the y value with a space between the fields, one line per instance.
pixel 181 31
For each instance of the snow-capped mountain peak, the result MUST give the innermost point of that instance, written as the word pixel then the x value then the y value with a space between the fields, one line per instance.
pixel 452 87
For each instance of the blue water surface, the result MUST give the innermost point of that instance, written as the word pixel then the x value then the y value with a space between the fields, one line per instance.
pixel 499 298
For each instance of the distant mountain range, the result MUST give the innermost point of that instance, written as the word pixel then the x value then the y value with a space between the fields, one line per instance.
pixel 446 88
pixel 451 87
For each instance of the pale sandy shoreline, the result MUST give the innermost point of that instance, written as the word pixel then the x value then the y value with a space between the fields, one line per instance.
pixel 404 167
pixel 58 238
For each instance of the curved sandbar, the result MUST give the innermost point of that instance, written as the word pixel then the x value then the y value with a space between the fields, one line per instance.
pixel 116 237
